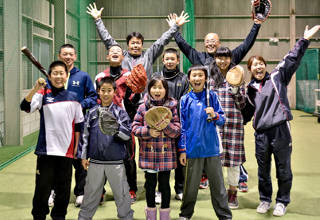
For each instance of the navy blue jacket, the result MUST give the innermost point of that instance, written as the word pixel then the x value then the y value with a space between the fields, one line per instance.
pixel 269 104
pixel 100 147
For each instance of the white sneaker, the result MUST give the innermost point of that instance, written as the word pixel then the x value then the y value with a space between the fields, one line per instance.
pixel 51 199
pixel 279 209
pixel 178 196
pixel 79 200
pixel 263 207
pixel 158 197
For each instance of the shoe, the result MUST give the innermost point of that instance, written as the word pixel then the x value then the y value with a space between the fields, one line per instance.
pixel 243 187
pixel 133 196
pixel 179 196
pixel 51 199
pixel 263 207
pixel 204 183
pixel 279 209
pixel 233 199
pixel 102 199
pixel 183 218
pixel 158 197
pixel 151 213
pixel 79 200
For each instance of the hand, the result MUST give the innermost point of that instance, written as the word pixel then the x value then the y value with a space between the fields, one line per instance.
pixel 182 19
pixel 308 33
pixel 257 21
pixel 183 159
pixel 40 84
pixel 85 163
pixel 234 89
pixel 171 19
pixel 154 133
pixel 94 12
pixel 210 112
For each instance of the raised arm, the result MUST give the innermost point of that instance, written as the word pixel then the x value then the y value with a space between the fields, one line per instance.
pixel 33 100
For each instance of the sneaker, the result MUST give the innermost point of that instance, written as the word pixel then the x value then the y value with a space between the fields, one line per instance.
pixel 263 207
pixel 233 199
pixel 178 196
pixel 204 183
pixel 183 218
pixel 133 196
pixel 279 209
pixel 243 187
pixel 158 197
pixel 102 199
pixel 51 199
pixel 79 200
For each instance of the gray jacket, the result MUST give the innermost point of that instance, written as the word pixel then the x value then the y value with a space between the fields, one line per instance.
pixel 147 58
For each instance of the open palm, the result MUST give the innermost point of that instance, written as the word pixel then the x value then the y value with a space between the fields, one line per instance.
pixel 93 11
pixel 308 33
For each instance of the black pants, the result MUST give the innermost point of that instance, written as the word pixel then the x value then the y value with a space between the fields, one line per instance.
pixel 131 166
pixel 52 170
pixel 178 174
pixel 276 141
pixel 164 187
pixel 80 177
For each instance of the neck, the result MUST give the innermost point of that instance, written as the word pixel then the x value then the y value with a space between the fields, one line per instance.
pixel 115 71
pixel 224 72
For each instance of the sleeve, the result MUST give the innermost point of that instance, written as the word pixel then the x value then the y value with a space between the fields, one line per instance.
pixel 78 114
pixel 85 137
pixel 36 102
pixel 90 94
pixel 183 117
pixel 125 125
pixel 247 111
pixel 240 98
pixel 138 128
pixel 192 54
pixel 241 51
pixel 25 105
pixel 217 108
pixel 173 129
pixel 186 85
pixel 106 38
pixel 290 63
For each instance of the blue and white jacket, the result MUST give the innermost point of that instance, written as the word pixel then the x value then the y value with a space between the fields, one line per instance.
pixel 102 148
pixel 269 102
pixel 199 137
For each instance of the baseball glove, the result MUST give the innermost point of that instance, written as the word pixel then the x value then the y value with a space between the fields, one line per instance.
pixel 137 80
pixel 158 117
pixel 107 122
pixel 235 76
pixel 260 9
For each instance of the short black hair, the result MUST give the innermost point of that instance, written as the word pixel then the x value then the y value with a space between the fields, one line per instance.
pixel 57 63
pixel 114 45
pixel 135 34
pixel 67 46
pixel 164 83
pixel 223 52
pixel 107 80
pixel 171 50
pixel 198 67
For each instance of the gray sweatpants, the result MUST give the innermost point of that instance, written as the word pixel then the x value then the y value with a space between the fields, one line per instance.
pixel 219 199
pixel 96 177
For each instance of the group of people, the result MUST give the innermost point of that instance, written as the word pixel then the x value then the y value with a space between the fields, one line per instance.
pixel 205 133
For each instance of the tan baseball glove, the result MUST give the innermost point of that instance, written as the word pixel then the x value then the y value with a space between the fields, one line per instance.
pixel 158 117
pixel 235 76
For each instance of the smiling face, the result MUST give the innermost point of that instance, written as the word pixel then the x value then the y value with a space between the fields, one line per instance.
pixel 170 61
pixel 211 43
pixel 68 56
pixel 135 46
pixel 58 76
pixel 157 91
pixel 223 63
pixel 115 56
pixel 258 69
pixel 197 80
pixel 106 93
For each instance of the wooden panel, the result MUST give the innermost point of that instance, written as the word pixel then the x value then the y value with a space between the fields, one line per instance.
pixel 310 7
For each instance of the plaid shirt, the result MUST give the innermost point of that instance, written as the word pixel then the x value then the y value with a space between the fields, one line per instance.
pixel 158 154
pixel 232 132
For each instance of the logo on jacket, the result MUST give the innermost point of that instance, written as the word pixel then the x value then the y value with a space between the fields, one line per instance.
pixel 75 83
pixel 50 99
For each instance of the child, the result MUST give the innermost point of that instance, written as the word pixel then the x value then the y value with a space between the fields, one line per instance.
pixel 157 155
pixel 268 102
pixel 178 86
pixel 232 100
pixel 106 154
pixel 199 145
pixel 60 116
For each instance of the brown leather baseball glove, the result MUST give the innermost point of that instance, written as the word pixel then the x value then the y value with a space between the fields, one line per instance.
pixel 261 9
pixel 158 117
pixel 137 80
pixel 235 76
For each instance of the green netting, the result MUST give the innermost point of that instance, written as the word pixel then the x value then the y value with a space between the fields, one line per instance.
pixel 307 77
pixel 189 31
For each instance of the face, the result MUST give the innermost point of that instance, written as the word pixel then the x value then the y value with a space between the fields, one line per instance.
pixel 170 61
pixel 68 56
pixel 258 69
pixel 157 91
pixel 223 63
pixel 197 80
pixel 115 56
pixel 211 43
pixel 135 46
pixel 106 93
pixel 58 76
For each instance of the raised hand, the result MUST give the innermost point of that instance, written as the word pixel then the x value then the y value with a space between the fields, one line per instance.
pixel 308 33
pixel 94 12
pixel 182 19
pixel 171 19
